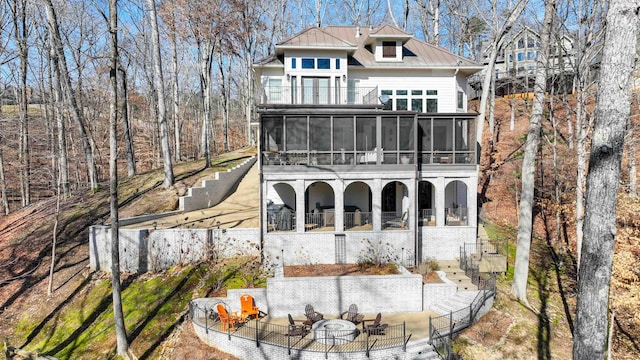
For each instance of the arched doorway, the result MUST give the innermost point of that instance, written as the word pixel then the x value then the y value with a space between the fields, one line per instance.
pixel 319 205
pixel 426 203
pixel 395 206
pixel 455 202
pixel 357 206
pixel 281 208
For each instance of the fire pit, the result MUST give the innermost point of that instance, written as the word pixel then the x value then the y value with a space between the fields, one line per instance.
pixel 334 331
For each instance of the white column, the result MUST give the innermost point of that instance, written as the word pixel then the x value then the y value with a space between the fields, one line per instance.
pixel 300 210
pixel 440 186
pixel 338 192
pixel 376 204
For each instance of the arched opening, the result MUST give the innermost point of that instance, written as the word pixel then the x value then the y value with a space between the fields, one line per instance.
pixel 455 202
pixel 319 204
pixel 281 208
pixel 395 206
pixel 426 203
pixel 357 206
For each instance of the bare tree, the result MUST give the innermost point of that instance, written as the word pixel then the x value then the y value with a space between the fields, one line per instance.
pixel 21 34
pixel 587 47
pixel 525 219
pixel 429 16
pixel 118 315
pixel 162 108
pixel 58 53
pixel 607 144
pixel 499 31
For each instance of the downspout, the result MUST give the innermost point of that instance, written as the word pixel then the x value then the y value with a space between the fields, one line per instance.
pixel 418 251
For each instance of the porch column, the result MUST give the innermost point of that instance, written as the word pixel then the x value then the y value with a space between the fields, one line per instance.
pixel 376 204
pixel 338 193
pixel 472 202
pixel 299 187
pixel 439 187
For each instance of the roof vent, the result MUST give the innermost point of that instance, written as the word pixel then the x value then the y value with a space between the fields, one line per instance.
pixel 357 31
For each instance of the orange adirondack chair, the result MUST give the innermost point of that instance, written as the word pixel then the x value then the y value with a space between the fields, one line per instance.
pixel 248 307
pixel 227 321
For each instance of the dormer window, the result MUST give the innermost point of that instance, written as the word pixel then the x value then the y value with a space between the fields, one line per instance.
pixel 389 49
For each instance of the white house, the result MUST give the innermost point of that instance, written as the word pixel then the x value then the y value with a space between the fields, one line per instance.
pixel 366 144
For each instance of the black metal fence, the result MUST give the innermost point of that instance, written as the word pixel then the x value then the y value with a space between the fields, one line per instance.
pixel 327 341
pixel 444 328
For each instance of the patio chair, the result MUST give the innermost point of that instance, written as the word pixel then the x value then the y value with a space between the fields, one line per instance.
pixel 399 222
pixel 248 308
pixel 352 314
pixel 297 330
pixel 227 321
pixel 375 328
pixel 312 315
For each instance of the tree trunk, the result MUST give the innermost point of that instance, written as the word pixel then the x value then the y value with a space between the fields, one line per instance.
pixel 63 161
pixel 633 171
pixel 20 32
pixel 525 219
pixel 126 127
pixel 206 52
pixel 607 144
pixel 162 107
pixel 65 80
pixel 176 94
pixel 118 315
pixel 3 184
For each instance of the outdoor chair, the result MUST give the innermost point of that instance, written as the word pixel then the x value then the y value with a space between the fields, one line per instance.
pixel 248 308
pixel 399 222
pixel 352 314
pixel 297 330
pixel 312 315
pixel 375 328
pixel 227 321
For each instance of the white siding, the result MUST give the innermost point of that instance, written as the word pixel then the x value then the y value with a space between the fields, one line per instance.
pixel 442 81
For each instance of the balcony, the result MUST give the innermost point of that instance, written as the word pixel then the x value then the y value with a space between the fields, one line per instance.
pixel 287 95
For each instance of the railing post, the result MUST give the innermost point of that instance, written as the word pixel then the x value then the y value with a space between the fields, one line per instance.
pixel 450 326
pixel 229 331
pixel 430 333
pixel 206 320
pixel 367 344
pixel 289 344
pixel 404 336
pixel 471 312
pixel 257 324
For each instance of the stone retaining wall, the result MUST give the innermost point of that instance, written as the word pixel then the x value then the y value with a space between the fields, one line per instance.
pixel 213 191
pixel 144 250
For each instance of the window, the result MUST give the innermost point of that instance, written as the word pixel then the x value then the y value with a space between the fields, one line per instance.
pixel 432 92
pixel 520 43
pixel 530 42
pixel 294 90
pixel 531 55
pixel 293 63
pixel 416 105
pixel 416 92
pixel 460 100
pixel 337 64
pixel 510 57
pixel 520 56
pixel 388 49
pixel 308 63
pixel 324 64
pixel 275 88
pixel 432 105
pixel 401 103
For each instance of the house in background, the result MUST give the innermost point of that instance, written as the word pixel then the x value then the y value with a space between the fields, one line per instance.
pixel 366 144
pixel 517 60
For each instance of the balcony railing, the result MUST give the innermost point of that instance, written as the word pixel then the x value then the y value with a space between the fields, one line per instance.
pixel 427 217
pixel 320 95
pixel 357 219
pixel 456 216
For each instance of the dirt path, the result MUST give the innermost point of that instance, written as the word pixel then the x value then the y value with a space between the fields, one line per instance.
pixel 239 210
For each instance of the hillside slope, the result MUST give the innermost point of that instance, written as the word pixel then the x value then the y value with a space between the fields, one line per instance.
pixel 25 256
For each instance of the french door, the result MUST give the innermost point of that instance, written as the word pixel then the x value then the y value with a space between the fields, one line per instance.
pixel 315 90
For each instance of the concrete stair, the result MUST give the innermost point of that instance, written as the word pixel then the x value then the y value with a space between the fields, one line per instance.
pixel 455 303
pixel 420 350
pixel 456 275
